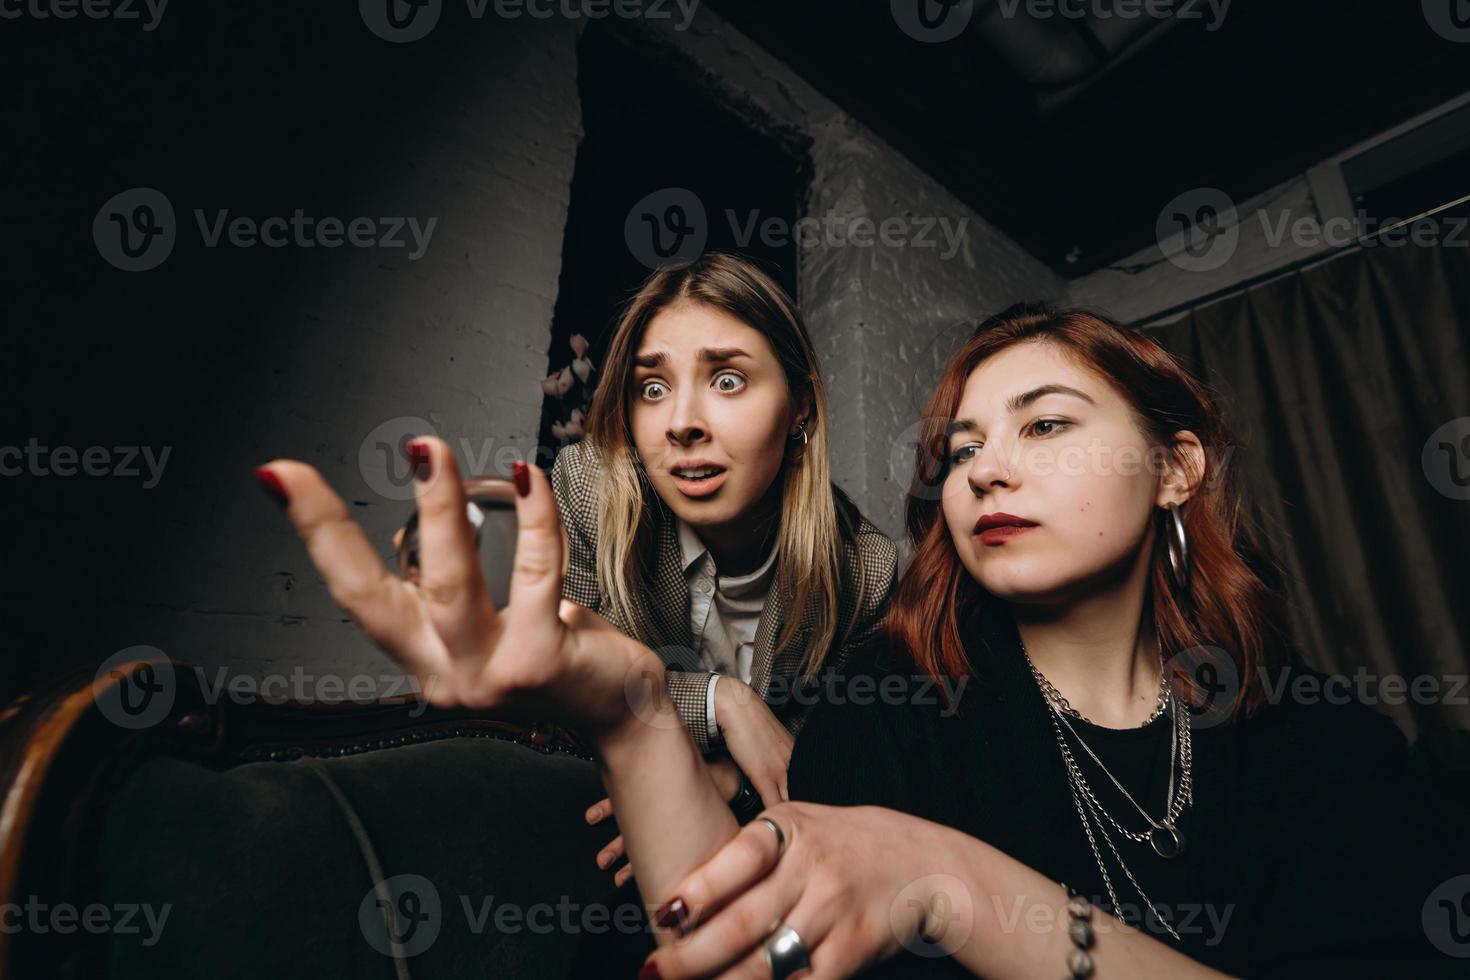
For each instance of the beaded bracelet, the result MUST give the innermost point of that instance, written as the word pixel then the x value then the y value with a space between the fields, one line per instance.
pixel 1079 929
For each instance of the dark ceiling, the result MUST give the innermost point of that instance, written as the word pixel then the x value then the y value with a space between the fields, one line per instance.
pixel 1072 133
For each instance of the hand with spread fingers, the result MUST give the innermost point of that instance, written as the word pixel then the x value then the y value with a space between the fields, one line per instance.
pixel 540 658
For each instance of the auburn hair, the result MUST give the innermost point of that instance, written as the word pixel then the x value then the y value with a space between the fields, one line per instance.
pixel 1227 604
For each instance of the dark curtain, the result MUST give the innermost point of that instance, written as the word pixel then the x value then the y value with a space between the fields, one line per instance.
pixel 1348 387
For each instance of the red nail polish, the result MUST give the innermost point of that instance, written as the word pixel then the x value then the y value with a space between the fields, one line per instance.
pixel 649 971
pixel 520 475
pixel 672 913
pixel 273 485
pixel 418 455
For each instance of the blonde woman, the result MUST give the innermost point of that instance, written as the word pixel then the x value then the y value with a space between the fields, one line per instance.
pixel 701 518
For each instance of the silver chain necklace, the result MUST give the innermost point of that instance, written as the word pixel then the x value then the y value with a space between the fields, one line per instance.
pixel 1055 696
pixel 1163 835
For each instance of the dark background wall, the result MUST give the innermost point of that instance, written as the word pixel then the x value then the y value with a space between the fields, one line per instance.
pixel 224 357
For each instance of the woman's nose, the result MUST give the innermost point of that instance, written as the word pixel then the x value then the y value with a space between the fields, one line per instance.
pixel 686 419
pixel 991 468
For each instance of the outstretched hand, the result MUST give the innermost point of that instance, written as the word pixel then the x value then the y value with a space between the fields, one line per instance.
pixel 539 658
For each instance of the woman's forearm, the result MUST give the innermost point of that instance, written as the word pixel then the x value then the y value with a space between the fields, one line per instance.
pixel 1018 923
pixel 669 812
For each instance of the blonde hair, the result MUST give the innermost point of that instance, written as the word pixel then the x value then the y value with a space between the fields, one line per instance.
pixel 810 559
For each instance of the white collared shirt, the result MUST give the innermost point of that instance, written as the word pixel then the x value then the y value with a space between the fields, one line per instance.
pixel 724 612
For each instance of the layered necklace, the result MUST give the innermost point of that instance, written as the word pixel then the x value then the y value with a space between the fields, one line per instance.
pixel 1163 834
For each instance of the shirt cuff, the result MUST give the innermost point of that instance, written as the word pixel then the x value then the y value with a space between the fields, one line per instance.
pixel 709 708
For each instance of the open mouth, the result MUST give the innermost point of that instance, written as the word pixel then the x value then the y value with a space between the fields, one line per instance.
pixel 698 481
pixel 697 474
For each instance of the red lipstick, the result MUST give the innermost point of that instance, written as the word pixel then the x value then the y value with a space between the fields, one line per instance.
pixel 1001 527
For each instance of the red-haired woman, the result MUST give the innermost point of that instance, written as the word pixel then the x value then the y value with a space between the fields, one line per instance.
pixel 1018 751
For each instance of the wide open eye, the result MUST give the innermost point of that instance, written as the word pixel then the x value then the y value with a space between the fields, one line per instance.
pixel 728 382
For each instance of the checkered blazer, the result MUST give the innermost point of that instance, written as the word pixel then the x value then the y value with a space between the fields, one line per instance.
pixel 872 555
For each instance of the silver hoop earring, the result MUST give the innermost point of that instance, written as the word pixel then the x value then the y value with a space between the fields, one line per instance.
pixel 801 430
pixel 1177 543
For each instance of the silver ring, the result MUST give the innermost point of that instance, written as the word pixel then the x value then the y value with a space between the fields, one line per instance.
pixel 785 953
pixel 780 835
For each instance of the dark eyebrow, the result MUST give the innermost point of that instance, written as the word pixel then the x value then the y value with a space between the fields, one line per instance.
pixel 711 355
pixel 1017 402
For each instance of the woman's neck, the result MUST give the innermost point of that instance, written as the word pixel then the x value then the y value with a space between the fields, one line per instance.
pixel 740 546
pixel 1099 652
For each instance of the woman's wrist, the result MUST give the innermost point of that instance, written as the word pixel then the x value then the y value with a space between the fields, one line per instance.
pixel 1019 924
pixel 645 709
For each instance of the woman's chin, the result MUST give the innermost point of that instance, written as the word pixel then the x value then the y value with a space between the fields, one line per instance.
pixel 1023 589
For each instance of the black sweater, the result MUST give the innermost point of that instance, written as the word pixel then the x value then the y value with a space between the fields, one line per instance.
pixel 1310 849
